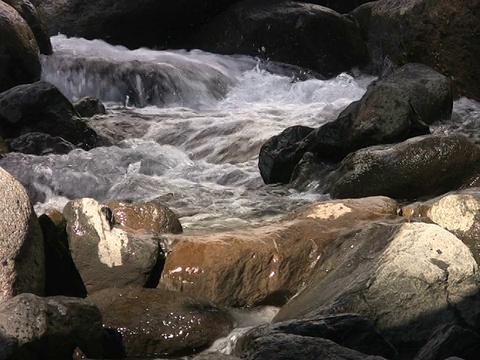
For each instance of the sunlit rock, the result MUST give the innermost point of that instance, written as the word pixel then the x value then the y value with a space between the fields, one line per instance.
pixel 36 23
pixel 457 212
pixel 22 256
pixel 264 265
pixel 19 62
pixel 155 322
pixel 407 278
pixel 349 330
pixel 106 254
pixel 150 215
pixel 442 35
pixel 61 275
pixel 51 327
pixel 424 166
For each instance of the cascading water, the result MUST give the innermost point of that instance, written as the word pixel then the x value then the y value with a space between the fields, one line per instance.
pixel 187 128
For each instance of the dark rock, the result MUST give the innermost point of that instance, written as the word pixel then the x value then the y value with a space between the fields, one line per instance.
pixel 287 346
pixel 41 107
pixel 19 61
pixel 424 166
pixel 310 173
pixel 36 23
pixel 51 328
pixel 39 144
pixel 155 322
pixel 341 6
pixel 108 255
pixel 61 275
pixel 349 330
pixel 451 341
pixel 89 106
pixel 442 35
pixel 307 35
pixel 3 147
pixel 22 256
pixel 406 278
pixel 281 153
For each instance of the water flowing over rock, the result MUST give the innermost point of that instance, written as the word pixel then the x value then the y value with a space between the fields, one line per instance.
pixel 19 61
pixel 424 166
pixel 406 278
pixel 442 35
pixel 21 243
pixel 52 327
pixel 264 265
pixel 108 255
pixel 307 35
pixel 41 107
pixel 349 330
pixel 36 23
pixel 156 322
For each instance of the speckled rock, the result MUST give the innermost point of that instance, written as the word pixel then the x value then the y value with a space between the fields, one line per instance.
pixel 21 243
pixel 264 265
pixel 155 322
pixel 108 255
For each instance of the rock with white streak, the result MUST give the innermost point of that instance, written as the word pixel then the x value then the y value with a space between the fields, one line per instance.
pixel 107 255
pixel 407 278
pixel 22 256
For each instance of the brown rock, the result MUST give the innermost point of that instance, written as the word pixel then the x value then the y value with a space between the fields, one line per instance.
pixel 264 265
pixel 22 256
pixel 156 322
pixel 151 216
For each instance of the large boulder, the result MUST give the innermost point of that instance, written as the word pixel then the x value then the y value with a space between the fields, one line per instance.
pixel 52 327
pixel 21 243
pixel 349 330
pixel 443 35
pixel 19 61
pixel 264 265
pixel 107 255
pixel 303 34
pixel 406 278
pixel 41 107
pixel 36 23
pixel 424 166
pixel 155 322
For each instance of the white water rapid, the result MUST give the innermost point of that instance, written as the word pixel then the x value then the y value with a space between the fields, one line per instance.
pixel 189 135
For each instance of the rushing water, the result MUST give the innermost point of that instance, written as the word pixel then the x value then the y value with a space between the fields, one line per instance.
pixel 187 128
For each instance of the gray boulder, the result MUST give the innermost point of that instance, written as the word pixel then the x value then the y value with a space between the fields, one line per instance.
pixel 21 243
pixel 51 328
pixel 107 255
pixel 424 166
pixel 19 61
pixel 406 278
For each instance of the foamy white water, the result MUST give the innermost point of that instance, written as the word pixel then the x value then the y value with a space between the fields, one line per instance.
pixel 190 135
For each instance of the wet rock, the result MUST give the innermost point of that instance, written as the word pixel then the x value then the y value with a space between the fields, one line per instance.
pixel 21 243
pixel 406 278
pixel 288 346
pixel 40 144
pixel 349 330
pixel 51 328
pixel 280 154
pixel 41 107
pixel 264 265
pixel 215 356
pixel 151 215
pixel 457 212
pixel 440 35
pixel 302 34
pixel 155 322
pixel 89 106
pixel 108 255
pixel 451 340
pixel 61 275
pixel 19 61
pixel 424 166
pixel 3 147
pixel 341 6
pixel 36 23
